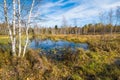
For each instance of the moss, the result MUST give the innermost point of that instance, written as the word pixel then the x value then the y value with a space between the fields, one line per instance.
pixel 76 77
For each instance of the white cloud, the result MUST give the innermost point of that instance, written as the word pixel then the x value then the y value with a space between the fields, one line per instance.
pixel 85 11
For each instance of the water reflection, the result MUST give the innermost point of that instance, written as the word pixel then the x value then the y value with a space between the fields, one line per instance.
pixel 49 46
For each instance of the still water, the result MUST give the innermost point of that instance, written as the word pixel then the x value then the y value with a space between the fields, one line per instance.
pixel 48 45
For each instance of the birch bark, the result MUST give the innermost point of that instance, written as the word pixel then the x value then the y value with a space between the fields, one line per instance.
pixel 7 22
pixel 19 26
pixel 28 24
pixel 14 31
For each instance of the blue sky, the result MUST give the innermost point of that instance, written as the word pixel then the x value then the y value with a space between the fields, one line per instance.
pixel 83 11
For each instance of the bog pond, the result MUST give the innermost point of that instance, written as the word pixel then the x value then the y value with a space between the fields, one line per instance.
pixel 50 46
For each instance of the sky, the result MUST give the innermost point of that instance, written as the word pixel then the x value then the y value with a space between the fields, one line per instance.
pixel 74 12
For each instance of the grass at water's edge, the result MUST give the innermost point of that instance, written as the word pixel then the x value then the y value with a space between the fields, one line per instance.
pixel 4 39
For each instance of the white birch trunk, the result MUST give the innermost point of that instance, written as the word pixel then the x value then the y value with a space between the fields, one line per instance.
pixel 6 20
pixel 14 32
pixel 19 26
pixel 27 35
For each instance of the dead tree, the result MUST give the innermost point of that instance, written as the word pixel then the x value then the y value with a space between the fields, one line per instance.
pixel 110 20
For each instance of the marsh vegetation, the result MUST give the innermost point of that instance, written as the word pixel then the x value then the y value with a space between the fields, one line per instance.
pixel 100 62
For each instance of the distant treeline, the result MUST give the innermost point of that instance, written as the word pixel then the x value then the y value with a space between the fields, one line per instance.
pixel 85 30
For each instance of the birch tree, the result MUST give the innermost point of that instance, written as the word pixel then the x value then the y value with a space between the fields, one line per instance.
pixel 19 26
pixel 28 24
pixel 7 22
pixel 12 33
pixel 14 27
pixel 18 11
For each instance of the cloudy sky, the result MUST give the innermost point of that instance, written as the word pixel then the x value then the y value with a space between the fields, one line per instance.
pixel 79 12
pixel 74 12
